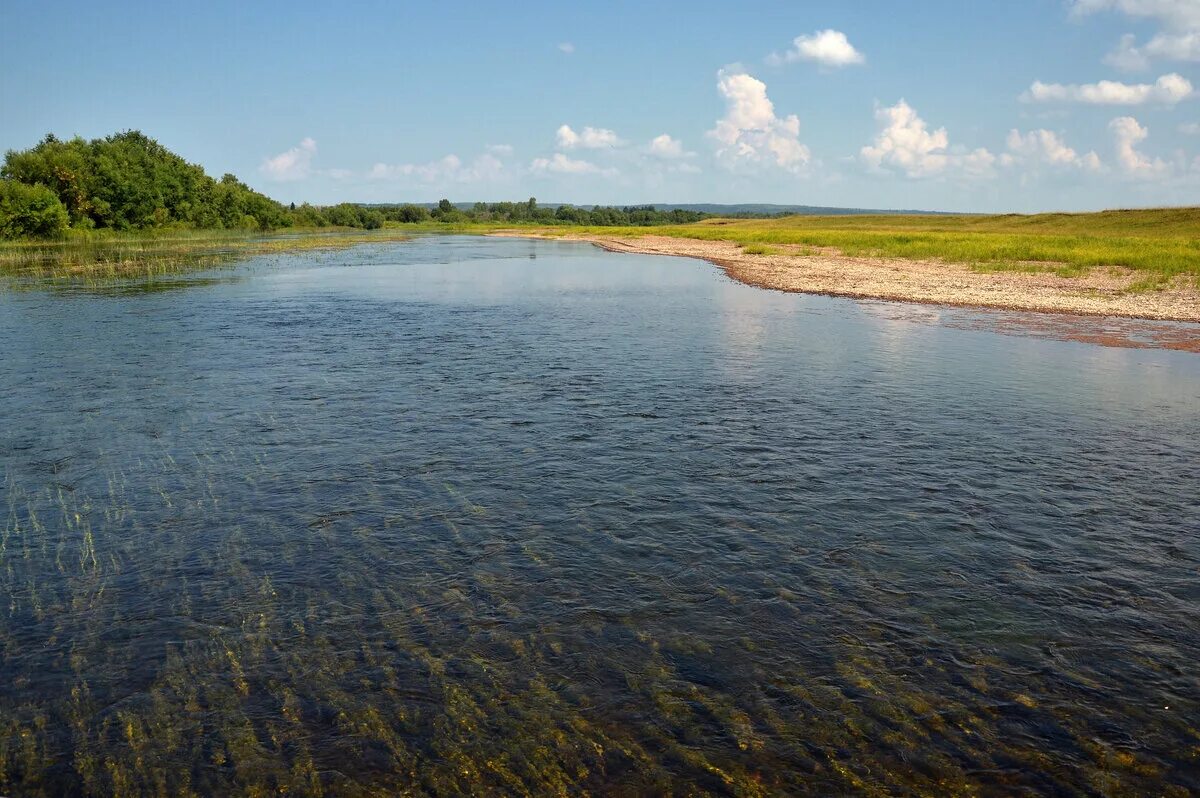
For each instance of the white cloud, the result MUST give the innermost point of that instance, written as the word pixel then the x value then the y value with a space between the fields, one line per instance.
pixel 590 138
pixel 563 165
pixel 1167 90
pixel 1175 46
pixel 566 47
pixel 906 143
pixel 666 147
pixel 750 132
pixel 1127 55
pixel 1190 128
pixel 501 150
pixel 1128 134
pixel 829 48
pixel 1176 14
pixel 294 164
pixel 1178 40
pixel 450 169
pixel 1044 147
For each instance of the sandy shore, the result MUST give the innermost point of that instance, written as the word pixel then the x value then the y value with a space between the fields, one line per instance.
pixel 1100 293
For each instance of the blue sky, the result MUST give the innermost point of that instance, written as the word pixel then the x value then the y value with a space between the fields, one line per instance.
pixel 868 104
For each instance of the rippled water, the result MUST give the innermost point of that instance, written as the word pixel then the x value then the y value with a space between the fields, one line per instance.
pixel 475 516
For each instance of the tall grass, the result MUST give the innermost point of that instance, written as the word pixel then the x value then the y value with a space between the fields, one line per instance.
pixel 108 254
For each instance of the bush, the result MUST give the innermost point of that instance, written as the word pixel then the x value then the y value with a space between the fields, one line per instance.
pixel 411 214
pixel 30 211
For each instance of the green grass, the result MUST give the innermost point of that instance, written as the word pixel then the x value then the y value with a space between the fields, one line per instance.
pixel 113 255
pixel 761 249
pixel 1159 244
pixel 1163 243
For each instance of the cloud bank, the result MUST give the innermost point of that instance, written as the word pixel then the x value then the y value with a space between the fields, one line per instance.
pixel 1167 90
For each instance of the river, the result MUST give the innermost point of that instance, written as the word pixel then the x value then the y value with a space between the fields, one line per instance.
pixel 498 516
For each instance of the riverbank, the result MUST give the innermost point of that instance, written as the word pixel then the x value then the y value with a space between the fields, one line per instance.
pixel 1111 291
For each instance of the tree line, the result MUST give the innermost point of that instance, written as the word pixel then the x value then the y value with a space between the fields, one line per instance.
pixel 128 181
pixel 531 212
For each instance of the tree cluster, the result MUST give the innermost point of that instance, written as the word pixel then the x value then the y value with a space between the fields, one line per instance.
pixel 128 181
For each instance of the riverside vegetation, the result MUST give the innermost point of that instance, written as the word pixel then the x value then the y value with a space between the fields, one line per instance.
pixel 125 205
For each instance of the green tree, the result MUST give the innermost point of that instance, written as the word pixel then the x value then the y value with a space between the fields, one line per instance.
pixel 30 211
pixel 129 180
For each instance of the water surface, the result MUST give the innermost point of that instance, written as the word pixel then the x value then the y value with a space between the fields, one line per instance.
pixel 495 516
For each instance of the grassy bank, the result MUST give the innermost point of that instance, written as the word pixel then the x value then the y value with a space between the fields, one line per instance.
pixel 108 254
pixel 1161 243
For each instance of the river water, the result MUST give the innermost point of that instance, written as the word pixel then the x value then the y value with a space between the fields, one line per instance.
pixel 494 516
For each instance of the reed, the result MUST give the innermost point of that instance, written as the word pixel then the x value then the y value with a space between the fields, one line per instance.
pixel 108 254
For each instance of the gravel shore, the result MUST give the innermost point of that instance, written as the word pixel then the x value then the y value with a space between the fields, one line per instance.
pixel 1100 293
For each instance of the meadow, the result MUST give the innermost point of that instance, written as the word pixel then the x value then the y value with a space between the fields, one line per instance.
pixel 1162 243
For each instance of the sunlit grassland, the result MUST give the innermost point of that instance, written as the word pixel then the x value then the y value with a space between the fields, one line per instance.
pixel 108 255
pixel 1161 243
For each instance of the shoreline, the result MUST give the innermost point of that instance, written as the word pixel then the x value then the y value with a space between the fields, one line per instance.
pixel 1089 299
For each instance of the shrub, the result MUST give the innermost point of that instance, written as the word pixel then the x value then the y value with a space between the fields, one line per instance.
pixel 30 211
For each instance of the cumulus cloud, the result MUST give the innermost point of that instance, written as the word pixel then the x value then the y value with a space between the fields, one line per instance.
pixel 566 47
pixel 590 138
pixel 666 147
pixel 1167 90
pixel 564 165
pixel 1127 134
pixel 829 48
pixel 1045 147
pixel 1178 39
pixel 294 164
pixel 750 132
pixel 500 149
pixel 450 169
pixel 906 143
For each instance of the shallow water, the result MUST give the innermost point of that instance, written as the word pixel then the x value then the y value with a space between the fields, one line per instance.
pixel 479 516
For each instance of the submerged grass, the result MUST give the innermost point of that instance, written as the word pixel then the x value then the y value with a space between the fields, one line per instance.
pixel 1163 243
pixel 108 255
pixel 438 683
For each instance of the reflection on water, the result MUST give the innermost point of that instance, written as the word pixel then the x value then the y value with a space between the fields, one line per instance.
pixel 449 519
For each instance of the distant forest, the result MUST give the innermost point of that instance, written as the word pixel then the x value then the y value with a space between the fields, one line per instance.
pixel 128 181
